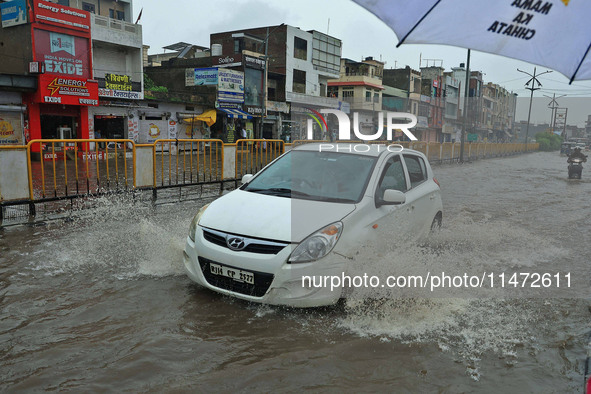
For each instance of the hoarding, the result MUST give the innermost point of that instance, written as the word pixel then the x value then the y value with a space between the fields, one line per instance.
pixel 230 85
pixel 201 76
pixel 13 13
pixel 67 90
pixel 63 54
pixel 11 129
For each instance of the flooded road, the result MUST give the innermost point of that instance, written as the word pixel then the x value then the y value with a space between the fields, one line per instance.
pixel 101 303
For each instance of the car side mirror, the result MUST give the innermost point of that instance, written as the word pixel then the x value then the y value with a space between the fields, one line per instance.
pixel 246 178
pixel 392 197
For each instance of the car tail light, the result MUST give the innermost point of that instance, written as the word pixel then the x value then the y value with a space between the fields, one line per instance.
pixel 437 182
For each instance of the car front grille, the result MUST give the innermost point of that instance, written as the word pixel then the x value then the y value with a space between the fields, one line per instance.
pixel 262 280
pixel 253 245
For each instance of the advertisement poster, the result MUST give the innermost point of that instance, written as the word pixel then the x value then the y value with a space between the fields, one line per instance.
pixel 152 130
pixel 230 86
pixel 11 130
pixel 61 16
pixel 13 13
pixel 63 54
pixel 201 76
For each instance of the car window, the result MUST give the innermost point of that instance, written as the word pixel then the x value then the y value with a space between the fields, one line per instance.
pixel 392 177
pixel 417 170
pixel 321 176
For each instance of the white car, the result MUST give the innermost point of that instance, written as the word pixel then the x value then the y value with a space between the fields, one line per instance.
pixel 305 214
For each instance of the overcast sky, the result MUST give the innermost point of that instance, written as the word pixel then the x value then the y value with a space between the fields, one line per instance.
pixel 362 34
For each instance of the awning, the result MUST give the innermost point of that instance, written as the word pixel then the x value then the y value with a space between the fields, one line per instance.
pixel 236 113
pixel 208 117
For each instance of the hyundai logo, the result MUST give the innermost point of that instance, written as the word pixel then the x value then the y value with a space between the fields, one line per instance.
pixel 235 243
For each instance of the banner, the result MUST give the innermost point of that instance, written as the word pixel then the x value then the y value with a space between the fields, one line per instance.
pixel 11 130
pixel 230 86
pixel 201 76
pixel 63 54
pixel 13 13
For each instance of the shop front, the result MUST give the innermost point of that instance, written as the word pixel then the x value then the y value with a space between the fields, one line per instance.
pixel 58 109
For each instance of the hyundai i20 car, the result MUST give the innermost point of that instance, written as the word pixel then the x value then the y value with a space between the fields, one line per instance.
pixel 306 213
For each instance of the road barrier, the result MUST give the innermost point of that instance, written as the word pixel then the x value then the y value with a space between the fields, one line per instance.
pixel 254 154
pixel 50 169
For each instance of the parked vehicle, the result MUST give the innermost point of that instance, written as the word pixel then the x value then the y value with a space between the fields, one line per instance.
pixel 306 213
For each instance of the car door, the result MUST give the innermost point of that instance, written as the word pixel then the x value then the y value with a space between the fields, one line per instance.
pixel 392 220
pixel 420 195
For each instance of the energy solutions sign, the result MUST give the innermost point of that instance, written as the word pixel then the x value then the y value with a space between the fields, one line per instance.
pixel 69 91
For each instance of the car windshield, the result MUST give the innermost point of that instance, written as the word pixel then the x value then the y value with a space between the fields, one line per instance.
pixel 320 176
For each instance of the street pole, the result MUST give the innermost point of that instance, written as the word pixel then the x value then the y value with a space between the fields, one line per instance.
pixel 264 96
pixel 466 94
pixel 534 81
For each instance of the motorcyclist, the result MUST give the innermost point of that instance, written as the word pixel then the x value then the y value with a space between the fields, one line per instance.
pixel 577 154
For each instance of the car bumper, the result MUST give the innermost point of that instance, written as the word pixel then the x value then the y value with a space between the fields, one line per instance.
pixel 276 281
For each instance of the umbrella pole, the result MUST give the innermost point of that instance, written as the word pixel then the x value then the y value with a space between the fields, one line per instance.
pixel 466 95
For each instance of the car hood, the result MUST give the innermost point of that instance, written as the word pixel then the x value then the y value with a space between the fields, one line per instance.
pixel 271 217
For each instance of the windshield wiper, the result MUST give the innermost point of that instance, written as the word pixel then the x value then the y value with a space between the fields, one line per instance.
pixel 279 191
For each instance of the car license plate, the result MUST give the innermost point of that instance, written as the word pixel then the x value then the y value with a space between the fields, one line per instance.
pixel 236 274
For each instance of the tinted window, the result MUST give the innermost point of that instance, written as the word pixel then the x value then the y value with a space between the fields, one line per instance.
pixel 416 169
pixel 392 177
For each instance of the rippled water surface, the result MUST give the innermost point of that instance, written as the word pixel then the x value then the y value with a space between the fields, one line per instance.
pixel 101 303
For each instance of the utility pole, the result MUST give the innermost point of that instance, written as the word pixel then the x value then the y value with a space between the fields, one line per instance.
pixel 466 95
pixel 535 85
pixel 553 105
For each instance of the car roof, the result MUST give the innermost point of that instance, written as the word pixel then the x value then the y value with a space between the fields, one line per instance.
pixel 350 148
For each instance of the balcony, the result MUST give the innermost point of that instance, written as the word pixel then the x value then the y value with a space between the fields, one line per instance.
pixel 299 98
pixel 116 32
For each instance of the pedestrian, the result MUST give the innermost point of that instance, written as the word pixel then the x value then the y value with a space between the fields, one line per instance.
pixel 98 136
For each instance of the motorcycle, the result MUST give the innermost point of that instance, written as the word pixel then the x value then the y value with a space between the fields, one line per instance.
pixel 575 168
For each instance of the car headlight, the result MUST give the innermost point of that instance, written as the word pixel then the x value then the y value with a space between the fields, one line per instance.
pixel 318 244
pixel 195 222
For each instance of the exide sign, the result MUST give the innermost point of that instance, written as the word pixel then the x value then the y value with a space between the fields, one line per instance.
pixel 63 54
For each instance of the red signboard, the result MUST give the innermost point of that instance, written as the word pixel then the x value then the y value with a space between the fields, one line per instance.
pixel 66 90
pixel 63 54
pixel 58 15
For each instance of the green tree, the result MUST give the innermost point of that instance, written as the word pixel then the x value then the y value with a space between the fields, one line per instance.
pixel 548 141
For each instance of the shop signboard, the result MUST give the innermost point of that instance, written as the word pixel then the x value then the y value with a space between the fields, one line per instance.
pixel 63 54
pixel 472 137
pixel 58 15
pixel 67 90
pixel 230 86
pixel 13 13
pixel 120 94
pixel 119 86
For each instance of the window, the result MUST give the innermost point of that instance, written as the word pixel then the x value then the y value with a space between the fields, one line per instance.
pixel 64 2
pixel 88 7
pixel 189 108
pixel 368 96
pixel 121 15
pixel 416 169
pixel 299 81
pixel 333 91
pixel 300 48
pixel 348 94
pixel 376 97
pixel 112 13
pixel 238 45
pixel 392 177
